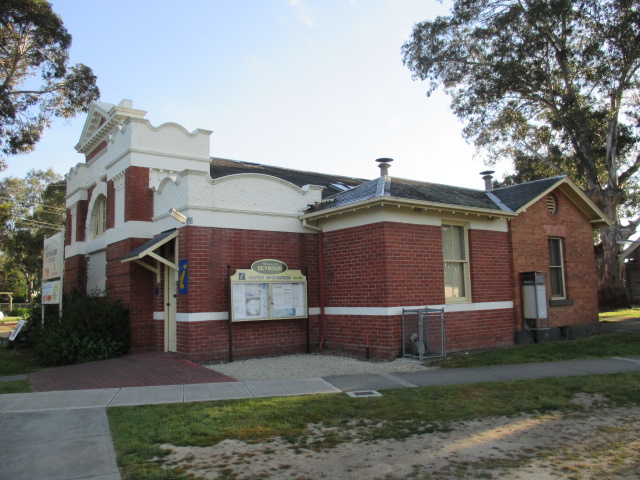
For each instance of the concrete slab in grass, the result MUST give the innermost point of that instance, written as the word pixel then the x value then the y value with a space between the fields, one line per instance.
pixel 447 376
pixel 282 388
pixel 148 395
pixel 63 400
pixel 526 371
pixel 595 366
pixel 57 445
pixel 350 383
pixel 202 392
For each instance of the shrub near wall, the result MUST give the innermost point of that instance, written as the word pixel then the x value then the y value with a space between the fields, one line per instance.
pixel 92 327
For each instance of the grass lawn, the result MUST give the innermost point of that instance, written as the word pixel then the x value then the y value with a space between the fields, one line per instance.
pixel 598 346
pixel 633 312
pixel 11 363
pixel 138 432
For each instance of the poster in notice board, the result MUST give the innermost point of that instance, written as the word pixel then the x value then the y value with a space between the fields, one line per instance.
pixel 260 296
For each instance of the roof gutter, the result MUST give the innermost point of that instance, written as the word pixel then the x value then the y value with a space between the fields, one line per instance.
pixel 381 201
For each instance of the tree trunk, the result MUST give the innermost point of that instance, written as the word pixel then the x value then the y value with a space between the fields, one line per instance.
pixel 612 292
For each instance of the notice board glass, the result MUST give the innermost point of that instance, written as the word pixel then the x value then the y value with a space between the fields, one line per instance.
pixel 258 296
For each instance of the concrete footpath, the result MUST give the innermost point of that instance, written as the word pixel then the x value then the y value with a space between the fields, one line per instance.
pixel 64 435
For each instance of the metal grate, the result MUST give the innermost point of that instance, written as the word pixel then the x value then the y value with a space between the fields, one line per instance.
pixel 364 393
pixel 423 333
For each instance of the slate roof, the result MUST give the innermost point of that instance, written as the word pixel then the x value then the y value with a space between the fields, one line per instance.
pixel 413 190
pixel 221 167
pixel 517 196
pixel 341 191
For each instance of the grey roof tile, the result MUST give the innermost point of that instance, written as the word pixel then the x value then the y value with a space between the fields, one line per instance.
pixel 221 167
pixel 517 196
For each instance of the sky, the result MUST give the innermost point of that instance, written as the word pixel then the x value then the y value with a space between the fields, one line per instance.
pixel 315 85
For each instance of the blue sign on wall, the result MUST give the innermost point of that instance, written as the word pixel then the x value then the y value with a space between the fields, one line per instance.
pixel 183 277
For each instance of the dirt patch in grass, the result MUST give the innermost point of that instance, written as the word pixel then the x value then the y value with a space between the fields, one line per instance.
pixel 596 442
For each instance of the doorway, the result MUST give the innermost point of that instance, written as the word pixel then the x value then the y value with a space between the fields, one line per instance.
pixel 170 310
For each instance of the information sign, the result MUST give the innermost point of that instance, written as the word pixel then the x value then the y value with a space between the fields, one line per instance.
pixel 256 295
pixel 51 292
pixel 53 257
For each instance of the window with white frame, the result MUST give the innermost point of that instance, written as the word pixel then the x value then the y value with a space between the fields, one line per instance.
pixel 99 217
pixel 456 263
pixel 556 268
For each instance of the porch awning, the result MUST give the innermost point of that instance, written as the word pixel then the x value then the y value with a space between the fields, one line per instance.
pixel 148 249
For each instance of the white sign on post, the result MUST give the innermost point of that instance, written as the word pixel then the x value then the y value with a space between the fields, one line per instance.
pixel 16 330
pixel 53 261
pixel 51 292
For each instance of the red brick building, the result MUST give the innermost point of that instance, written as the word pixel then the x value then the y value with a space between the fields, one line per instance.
pixel 154 220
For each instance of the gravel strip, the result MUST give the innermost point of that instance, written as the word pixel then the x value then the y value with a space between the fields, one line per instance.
pixel 309 366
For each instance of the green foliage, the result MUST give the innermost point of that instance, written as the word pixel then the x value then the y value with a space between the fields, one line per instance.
pixel 91 327
pixel 31 209
pixel 552 85
pixel 36 81
pixel 20 312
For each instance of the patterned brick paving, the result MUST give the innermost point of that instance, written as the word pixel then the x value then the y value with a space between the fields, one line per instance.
pixel 138 370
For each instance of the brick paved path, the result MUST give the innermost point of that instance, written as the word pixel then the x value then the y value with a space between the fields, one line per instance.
pixel 137 370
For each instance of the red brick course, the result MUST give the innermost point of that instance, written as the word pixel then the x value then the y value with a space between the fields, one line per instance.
pixel 530 232
pixel 138 196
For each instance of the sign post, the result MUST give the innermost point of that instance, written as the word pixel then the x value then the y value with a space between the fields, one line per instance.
pixel 53 271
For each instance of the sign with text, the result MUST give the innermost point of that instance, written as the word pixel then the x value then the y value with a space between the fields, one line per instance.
pixel 53 257
pixel 51 292
pixel 183 277
pixel 268 296
pixel 16 331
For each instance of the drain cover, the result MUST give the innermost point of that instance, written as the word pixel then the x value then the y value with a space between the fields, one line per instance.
pixel 364 393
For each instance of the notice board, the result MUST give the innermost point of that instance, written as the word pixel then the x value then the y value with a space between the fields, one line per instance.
pixel 268 291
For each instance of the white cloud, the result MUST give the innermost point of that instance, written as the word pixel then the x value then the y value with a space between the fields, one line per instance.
pixel 302 12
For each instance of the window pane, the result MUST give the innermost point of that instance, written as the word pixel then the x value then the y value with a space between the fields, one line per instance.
pixel 454 280
pixel 555 252
pixel 458 243
pixel 557 288
pixel 446 242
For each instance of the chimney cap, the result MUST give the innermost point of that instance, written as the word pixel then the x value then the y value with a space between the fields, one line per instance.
pixel 384 164
pixel 488 172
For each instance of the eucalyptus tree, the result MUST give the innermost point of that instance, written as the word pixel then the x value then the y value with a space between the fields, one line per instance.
pixel 36 81
pixel 552 85
pixel 31 209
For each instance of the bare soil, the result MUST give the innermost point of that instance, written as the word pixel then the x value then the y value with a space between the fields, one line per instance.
pixel 597 443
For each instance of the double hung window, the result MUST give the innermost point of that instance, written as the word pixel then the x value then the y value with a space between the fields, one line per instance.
pixel 556 269
pixel 456 263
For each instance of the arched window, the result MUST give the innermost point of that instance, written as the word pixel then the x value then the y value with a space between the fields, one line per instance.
pixel 99 216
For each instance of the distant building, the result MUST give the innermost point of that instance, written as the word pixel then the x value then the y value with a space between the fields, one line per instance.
pixel 157 222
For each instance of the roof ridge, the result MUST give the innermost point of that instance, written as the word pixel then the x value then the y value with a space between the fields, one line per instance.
pixel 531 181
pixel 332 175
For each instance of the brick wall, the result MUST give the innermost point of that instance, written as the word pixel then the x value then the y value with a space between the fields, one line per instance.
pixel 81 220
pixel 134 285
pixel 530 231
pixel 75 273
pixel 392 265
pixel 208 252
pixel 138 198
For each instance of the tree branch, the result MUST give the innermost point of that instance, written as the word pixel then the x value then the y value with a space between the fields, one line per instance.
pixel 623 177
